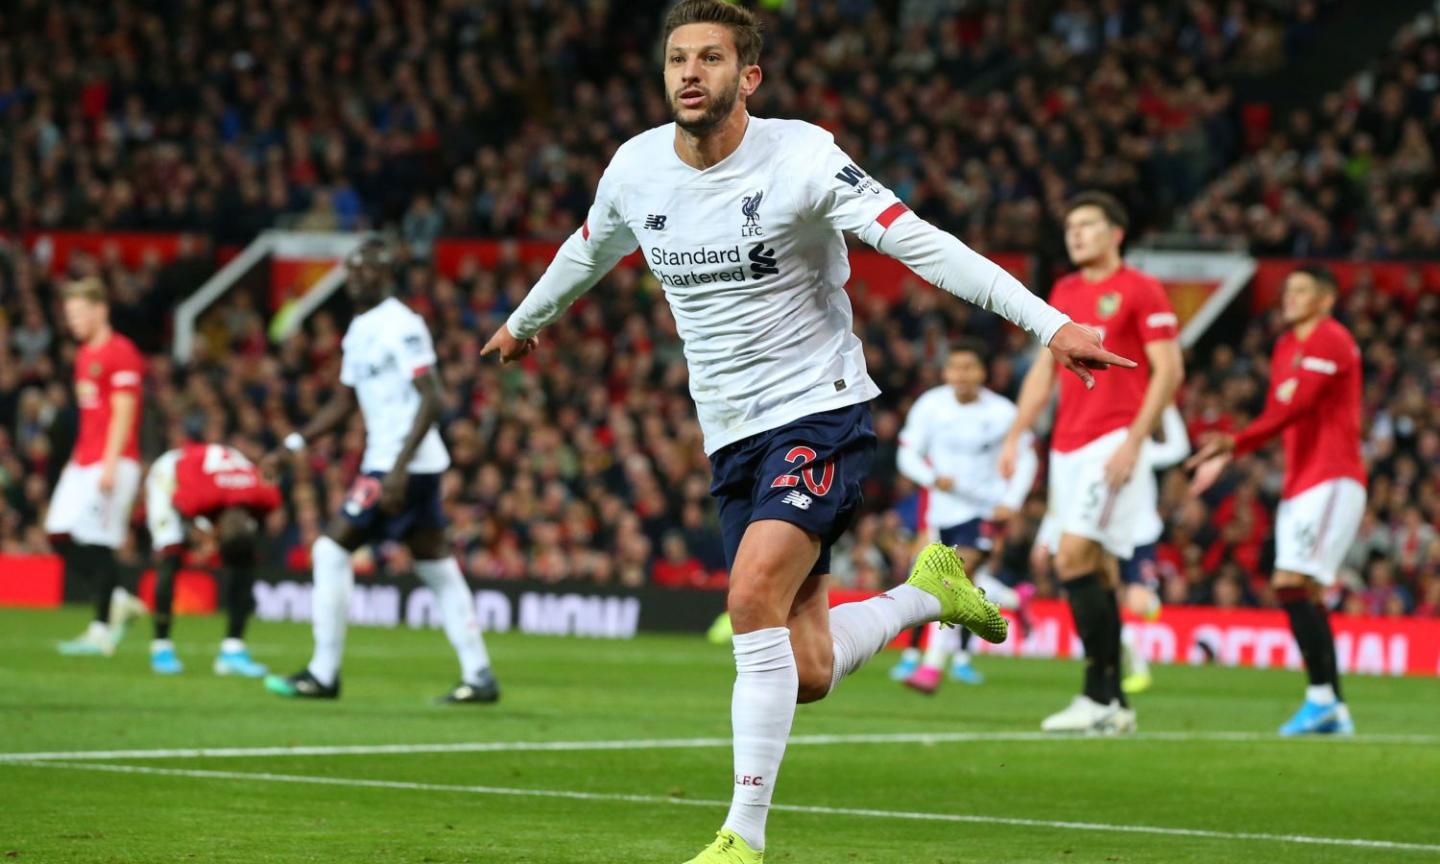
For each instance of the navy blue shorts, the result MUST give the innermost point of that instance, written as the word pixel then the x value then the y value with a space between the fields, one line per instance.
pixel 974 534
pixel 1139 568
pixel 808 472
pixel 422 507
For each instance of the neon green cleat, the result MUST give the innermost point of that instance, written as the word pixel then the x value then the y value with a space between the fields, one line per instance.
pixel 728 848
pixel 721 631
pixel 940 573
pixel 1136 682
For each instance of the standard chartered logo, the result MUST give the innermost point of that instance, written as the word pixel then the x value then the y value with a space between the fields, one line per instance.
pixel 708 265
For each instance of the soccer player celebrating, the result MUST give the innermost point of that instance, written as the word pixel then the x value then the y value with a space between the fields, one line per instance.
pixel 740 219
pixel 388 362
pixel 1100 481
pixel 1314 401
pixel 92 501
pixel 949 447
pixel 211 487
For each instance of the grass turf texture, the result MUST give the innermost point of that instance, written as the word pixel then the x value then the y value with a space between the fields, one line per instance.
pixel 1381 788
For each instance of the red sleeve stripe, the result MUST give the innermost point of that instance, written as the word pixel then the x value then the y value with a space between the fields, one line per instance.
pixel 893 212
pixel 585 230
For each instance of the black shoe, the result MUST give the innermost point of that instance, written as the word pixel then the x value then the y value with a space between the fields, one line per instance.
pixel 302 685
pixel 482 691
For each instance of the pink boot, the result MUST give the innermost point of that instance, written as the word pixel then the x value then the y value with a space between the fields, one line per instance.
pixel 925 679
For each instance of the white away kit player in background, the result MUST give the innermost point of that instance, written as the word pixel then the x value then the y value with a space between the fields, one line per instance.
pixel 950 447
pixel 388 364
pixel 742 221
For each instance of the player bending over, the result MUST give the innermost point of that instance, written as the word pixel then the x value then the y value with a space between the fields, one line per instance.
pixel 741 219
pixel 1314 404
pixel 388 363
pixel 950 446
pixel 1100 483
pixel 212 487
pixel 89 512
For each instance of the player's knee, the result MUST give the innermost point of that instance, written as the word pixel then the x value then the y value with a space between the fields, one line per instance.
pixel 753 604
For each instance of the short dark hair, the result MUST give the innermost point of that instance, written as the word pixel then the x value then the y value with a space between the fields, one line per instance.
pixel 1324 277
pixel 968 345
pixel 744 26
pixel 1107 204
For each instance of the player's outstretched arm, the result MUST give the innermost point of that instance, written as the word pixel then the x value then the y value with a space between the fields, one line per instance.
pixel 582 259
pixel 944 261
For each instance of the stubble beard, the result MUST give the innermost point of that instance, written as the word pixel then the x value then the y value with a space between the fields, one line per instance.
pixel 721 104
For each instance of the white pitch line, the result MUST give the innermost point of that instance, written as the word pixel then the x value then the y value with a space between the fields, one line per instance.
pixel 356 782
pixel 930 738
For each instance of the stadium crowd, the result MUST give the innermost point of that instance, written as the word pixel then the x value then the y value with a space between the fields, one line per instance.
pixel 1354 177
pixel 496 119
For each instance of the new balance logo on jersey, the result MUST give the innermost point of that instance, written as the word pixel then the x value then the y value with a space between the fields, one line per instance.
pixel 762 261
pixel 655 222
pixel 798 499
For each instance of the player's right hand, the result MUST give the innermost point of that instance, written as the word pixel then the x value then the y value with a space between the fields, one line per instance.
pixel 1080 350
pixel 508 346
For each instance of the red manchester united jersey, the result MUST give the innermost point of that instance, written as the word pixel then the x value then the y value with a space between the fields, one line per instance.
pixel 211 477
pixel 1130 310
pixel 1315 398
pixel 101 371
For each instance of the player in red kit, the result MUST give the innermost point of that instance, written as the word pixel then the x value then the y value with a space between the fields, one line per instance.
pixel 1101 482
pixel 208 487
pixel 1314 404
pixel 92 501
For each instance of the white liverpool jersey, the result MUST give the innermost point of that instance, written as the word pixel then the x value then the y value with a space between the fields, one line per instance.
pixel 944 437
pixel 385 349
pixel 753 261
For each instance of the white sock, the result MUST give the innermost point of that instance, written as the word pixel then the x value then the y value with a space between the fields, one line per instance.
pixel 761 710
pixel 457 606
pixel 158 645
pixel 937 646
pixel 329 607
pixel 996 592
pixel 1320 694
pixel 861 629
pixel 1133 662
pixel 231 646
pixel 98 630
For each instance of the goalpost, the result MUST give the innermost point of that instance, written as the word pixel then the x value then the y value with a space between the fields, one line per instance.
pixel 298 270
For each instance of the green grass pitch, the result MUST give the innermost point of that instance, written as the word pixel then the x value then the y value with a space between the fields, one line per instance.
pixel 1206 781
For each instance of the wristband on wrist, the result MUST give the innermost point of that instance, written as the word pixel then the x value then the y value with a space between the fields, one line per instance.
pixel 294 442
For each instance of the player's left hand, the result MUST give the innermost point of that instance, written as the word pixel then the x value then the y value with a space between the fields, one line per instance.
pixel 392 491
pixel 1080 350
pixel 107 478
pixel 1002 515
pixel 1121 464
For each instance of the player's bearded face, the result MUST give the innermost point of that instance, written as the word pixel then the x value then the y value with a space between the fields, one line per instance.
pixel 718 96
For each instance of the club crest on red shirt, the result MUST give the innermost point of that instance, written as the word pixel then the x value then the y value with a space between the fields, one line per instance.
pixel 1108 304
